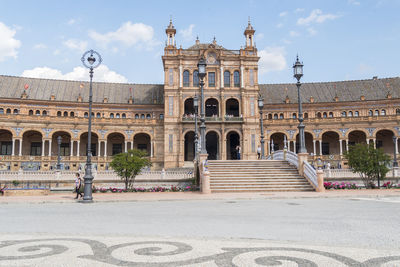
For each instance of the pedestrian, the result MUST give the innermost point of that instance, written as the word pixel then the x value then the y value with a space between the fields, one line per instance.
pixel 78 184
pixel 238 152
pixel 258 152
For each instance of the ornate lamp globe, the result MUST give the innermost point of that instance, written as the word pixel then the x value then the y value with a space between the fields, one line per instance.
pixel 298 69
pixel 202 68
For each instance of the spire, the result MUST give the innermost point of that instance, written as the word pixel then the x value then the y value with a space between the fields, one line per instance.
pixel 249 33
pixel 170 31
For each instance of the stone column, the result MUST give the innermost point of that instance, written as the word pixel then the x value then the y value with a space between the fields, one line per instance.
pixel 241 76
pixel 126 146
pixel 43 142
pixel 222 76
pixel 180 76
pixel 374 141
pixel 105 148
pixel 341 147
pixel 71 149
pixel 347 144
pixel 20 147
pixel 294 146
pixel 50 148
pixel 98 153
pixel 320 179
pixel 151 148
pixel 78 148
pixel 314 148
pixel 396 147
pixel 320 147
pixel 269 147
pixel 13 147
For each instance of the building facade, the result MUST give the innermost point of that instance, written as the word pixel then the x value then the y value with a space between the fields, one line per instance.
pixel 159 118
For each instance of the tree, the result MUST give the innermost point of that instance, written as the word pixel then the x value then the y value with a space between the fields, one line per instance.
pixel 369 162
pixel 129 164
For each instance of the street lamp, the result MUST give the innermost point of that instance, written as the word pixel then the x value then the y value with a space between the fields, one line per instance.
pixel 91 60
pixel 196 137
pixel 59 151
pixel 394 153
pixel 260 108
pixel 202 73
pixel 298 73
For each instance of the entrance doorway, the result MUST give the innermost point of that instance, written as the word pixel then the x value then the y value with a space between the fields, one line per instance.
pixel 189 146
pixel 232 141
pixel 212 145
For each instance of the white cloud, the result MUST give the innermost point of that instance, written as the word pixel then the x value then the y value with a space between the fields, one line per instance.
pixel 298 10
pixel 279 25
pixel 39 46
pixel 56 52
pixel 312 31
pixel 316 16
pixel 76 44
pixel 101 74
pixel 187 34
pixel 353 2
pixel 8 44
pixel 294 34
pixel 129 34
pixel 71 21
pixel 272 59
pixel 282 14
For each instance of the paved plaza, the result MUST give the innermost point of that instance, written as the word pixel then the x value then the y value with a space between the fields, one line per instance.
pixel 206 230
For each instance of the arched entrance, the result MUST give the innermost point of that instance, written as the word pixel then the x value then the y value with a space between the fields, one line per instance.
pixel 384 140
pixel 330 143
pixel 189 108
pixel 232 107
pixel 142 141
pixel 32 143
pixel 65 147
pixel 278 140
pixel 232 141
pixel 115 144
pixel 308 138
pixel 5 142
pixel 212 107
pixel 84 142
pixel 356 137
pixel 189 146
pixel 212 145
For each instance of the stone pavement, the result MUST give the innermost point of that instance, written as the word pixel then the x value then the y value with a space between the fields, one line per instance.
pixel 46 250
pixel 160 196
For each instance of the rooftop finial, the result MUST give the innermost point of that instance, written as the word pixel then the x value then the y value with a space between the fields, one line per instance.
pixel 249 20
pixel 214 40
pixel 197 40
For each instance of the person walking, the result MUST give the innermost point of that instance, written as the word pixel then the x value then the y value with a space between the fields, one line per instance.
pixel 238 152
pixel 78 184
pixel 259 152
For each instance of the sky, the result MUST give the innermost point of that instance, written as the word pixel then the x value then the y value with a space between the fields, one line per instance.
pixel 336 40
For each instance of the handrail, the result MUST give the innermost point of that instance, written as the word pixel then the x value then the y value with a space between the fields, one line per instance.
pixel 310 173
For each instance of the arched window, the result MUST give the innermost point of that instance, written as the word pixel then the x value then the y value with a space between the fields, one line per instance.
pixel 330 114
pixel 8 111
pixel 186 78
pixel 227 79
pixel 344 114
pixel 86 115
pixel 117 116
pixel 98 115
pixel 281 117
pixel 142 116
pixel 270 116
pixel 356 113
pixel 294 116
pixel 318 114
pixel 15 111
pixel 2 111
pixel 383 112
pixel 397 111
pixel 112 115
pixel 236 79
pixel 65 114
pixel 350 114
pixel 275 116
pixel 324 115
pixel 72 114
pixel 58 113
pixel 306 115
pixel 161 116
pixel 148 116
pixel 30 111
pixel 195 78
pixel 136 116
pixel 376 113
pixel 92 114
pixel 370 113
pixel 123 115
pixel 44 113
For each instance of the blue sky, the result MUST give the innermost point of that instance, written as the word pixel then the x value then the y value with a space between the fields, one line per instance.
pixel 336 40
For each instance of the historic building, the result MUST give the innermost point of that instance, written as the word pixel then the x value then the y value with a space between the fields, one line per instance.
pixel 159 118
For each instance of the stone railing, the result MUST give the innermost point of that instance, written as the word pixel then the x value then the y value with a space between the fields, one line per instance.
pixel 289 156
pixel 349 173
pixel 310 173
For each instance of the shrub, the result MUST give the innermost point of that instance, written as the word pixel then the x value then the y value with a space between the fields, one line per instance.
pixel 15 182
pixel 342 185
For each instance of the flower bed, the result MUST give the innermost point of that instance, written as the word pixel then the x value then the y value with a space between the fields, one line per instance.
pixel 142 189
pixel 343 185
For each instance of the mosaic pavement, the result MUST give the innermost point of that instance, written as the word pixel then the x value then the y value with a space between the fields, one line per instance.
pixel 42 250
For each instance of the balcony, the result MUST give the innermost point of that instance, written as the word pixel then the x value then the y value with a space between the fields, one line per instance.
pixel 190 119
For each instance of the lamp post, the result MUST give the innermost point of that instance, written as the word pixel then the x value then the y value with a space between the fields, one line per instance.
pixel 298 73
pixel 202 73
pixel 196 136
pixel 394 153
pixel 260 108
pixel 59 151
pixel 91 60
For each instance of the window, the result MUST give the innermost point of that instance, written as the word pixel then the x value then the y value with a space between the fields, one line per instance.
pixel 319 115
pixel 72 114
pixel 44 113
pixel 370 112
pixel 117 115
pixel 8 111
pixel 324 115
pixel 15 111
pixel 148 116
pixel 2 111
pixel 65 114
pixel 397 111
pixel 64 149
pixel 30 112
pixel 112 115
pixel 379 143
pixel 116 149
pixel 325 148
pixel 136 116
pixel 123 115
pixel 6 148
pixel 275 116
pixel 251 73
pixel 37 113
pixel 171 77
pixel 294 116
pixel 227 79
pixel 142 116
pixel 36 148
pixel 211 79
pixel 92 114
pixel 306 115
pixel 58 113
pixel 383 112
pixel 376 113
pixel 98 115
pixel 161 116
pixel 236 79
pixel 186 78
pixel 270 116
pixel 195 78
pixel 330 114
pixel 281 117
pixel 86 115
pixel 344 114
pixel 93 148
pixel 142 147
pixel 356 113
pixel 350 114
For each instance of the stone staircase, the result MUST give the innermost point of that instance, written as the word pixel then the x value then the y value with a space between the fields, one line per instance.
pixel 255 176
